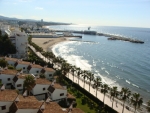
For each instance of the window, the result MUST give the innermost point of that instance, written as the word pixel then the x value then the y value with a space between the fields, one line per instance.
pixel 3 107
pixel 8 79
pixel 43 89
pixel 23 67
pixel 0 80
pixel 50 75
pixel 37 71
pixel 8 84
pixel 61 94
pixel 19 85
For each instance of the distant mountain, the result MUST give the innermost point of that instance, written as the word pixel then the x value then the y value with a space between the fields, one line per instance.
pixel 9 18
pixel 30 20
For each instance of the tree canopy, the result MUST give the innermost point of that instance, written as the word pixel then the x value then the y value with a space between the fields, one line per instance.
pixel 6 47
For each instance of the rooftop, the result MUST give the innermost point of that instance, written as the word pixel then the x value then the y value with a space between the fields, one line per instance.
pixel 10 59
pixel 42 81
pixel 23 62
pixel 36 66
pixel 29 102
pixel 8 95
pixel 9 72
pixel 22 76
pixel 49 69
pixel 58 86
pixel 53 107
pixel 70 96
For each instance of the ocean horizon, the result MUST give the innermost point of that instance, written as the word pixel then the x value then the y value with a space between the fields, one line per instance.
pixel 118 63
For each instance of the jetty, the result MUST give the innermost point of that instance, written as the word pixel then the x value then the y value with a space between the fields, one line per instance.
pixel 113 37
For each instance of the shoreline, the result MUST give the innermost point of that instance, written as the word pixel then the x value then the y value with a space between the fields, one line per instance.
pixel 48 43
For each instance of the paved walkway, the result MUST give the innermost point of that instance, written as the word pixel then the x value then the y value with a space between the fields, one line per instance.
pixel 117 103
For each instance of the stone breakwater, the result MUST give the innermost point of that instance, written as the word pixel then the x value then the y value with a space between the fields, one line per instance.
pixel 112 37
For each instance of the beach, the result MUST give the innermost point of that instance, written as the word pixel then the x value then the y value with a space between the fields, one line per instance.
pixel 52 41
pixel 45 43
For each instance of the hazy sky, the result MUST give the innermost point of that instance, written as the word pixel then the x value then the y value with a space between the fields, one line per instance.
pixel 133 13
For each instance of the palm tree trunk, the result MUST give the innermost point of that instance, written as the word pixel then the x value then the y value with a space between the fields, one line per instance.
pixel 104 98
pixel 123 107
pixel 135 110
pixel 96 92
pixel 89 86
pixel 112 102
pixel 73 77
pixel 78 80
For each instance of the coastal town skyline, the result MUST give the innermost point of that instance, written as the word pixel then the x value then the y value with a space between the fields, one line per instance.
pixel 131 13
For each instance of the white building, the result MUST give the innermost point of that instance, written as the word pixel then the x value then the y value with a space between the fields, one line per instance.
pixel 20 40
pixel 34 69
pixel 6 77
pixel 7 97
pixel 18 82
pixel 57 92
pixel 40 89
pixel 48 72
pixel 28 104
pixel 11 61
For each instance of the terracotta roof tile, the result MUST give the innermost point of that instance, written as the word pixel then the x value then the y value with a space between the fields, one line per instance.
pixel 10 59
pixel 70 96
pixel 9 72
pixel 8 95
pixel 36 66
pixel 53 107
pixel 29 102
pixel 49 69
pixel 58 86
pixel 42 81
pixel 22 76
pixel 23 62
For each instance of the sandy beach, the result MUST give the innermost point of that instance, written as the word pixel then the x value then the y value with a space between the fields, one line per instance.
pixel 45 43
pixel 50 42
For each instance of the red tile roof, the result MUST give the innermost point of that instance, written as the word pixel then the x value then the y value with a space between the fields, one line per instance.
pixel 8 95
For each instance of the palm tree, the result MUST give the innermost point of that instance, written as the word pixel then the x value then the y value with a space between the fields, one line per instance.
pixel 148 106
pixel 97 83
pixel 136 101
pixel 125 94
pixel 78 73
pixel 84 75
pixel 73 71
pixel 90 77
pixel 113 93
pixel 29 83
pixel 104 90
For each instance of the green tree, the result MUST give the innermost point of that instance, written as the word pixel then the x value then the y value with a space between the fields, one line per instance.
pixel 97 83
pixel 29 83
pixel 148 106
pixel 125 94
pixel 91 78
pixel 79 72
pixel 136 101
pixel 114 93
pixel 73 71
pixel 3 63
pixel 84 75
pixel 104 90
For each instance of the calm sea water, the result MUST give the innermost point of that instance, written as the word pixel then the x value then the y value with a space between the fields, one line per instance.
pixel 118 63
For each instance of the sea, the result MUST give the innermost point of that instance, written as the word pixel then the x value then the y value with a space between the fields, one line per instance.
pixel 118 63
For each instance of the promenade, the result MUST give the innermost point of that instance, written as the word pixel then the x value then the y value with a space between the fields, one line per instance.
pixel 118 105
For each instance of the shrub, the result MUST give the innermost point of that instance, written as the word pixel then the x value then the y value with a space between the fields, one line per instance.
pixel 10 67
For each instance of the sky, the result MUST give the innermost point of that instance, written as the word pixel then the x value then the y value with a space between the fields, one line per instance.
pixel 131 13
